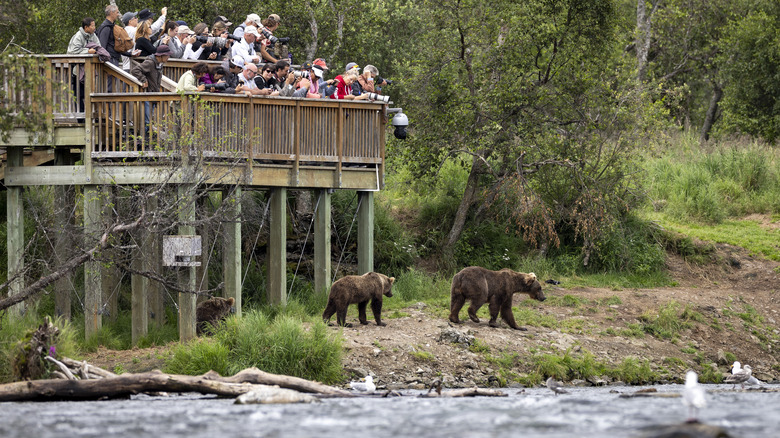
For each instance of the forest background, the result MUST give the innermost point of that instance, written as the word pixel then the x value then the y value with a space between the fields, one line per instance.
pixel 565 131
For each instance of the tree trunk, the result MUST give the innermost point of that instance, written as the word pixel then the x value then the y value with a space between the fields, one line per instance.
pixel 712 112
pixel 311 48
pixel 469 196
pixel 643 36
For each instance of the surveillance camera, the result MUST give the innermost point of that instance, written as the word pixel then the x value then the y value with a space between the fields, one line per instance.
pixel 400 121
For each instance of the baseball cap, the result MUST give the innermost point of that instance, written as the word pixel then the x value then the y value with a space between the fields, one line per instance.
pixel 321 62
pixel 251 30
pixel 306 65
pixel 238 61
pixel 223 19
pixel 128 16
pixel 184 29
pixel 254 18
pixel 352 65
pixel 275 18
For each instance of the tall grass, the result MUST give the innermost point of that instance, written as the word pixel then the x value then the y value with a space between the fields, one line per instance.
pixel 16 330
pixel 278 344
pixel 711 185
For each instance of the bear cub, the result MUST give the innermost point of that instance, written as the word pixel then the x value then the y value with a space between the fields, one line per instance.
pixel 358 289
pixel 480 286
pixel 211 312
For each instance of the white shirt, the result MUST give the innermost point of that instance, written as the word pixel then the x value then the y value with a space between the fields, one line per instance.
pixel 192 54
pixel 249 84
pixel 125 60
pixel 245 50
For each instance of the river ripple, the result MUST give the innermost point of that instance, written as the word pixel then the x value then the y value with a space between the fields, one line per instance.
pixel 586 412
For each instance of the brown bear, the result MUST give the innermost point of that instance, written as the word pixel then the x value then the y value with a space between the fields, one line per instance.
pixel 211 312
pixel 480 285
pixel 358 289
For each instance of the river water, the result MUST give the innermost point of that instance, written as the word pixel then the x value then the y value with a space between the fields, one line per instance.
pixel 536 412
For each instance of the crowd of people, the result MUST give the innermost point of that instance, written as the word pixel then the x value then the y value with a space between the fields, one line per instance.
pixel 141 43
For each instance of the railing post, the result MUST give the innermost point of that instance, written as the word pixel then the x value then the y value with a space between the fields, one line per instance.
pixel 339 142
pixel 296 132
pixel 89 80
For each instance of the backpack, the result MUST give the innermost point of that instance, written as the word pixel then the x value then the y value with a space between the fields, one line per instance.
pixel 122 41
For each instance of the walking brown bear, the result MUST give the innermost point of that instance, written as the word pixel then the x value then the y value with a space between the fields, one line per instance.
pixel 358 289
pixel 480 286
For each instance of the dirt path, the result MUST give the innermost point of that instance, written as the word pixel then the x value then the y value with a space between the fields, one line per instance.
pixel 732 309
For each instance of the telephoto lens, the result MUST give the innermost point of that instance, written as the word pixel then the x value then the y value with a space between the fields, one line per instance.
pixel 379 97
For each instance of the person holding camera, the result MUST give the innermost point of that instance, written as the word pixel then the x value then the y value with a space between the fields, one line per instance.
pixel 223 40
pixel 246 47
pixel 265 79
pixel 270 25
pixel 343 83
pixel 365 82
pixel 214 79
pixel 188 82
pixel 201 45
pixel 184 37
pixel 168 36
pixel 251 20
pixel 143 40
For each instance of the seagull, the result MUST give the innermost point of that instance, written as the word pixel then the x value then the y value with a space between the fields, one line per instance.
pixel 693 396
pixel 555 386
pixel 737 367
pixel 740 377
pixel 367 386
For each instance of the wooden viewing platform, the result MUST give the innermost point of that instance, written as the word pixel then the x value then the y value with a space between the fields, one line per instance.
pixel 269 143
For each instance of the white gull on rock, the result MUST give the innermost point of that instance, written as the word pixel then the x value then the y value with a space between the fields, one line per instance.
pixel 693 396
pixel 737 367
pixel 740 377
pixel 367 386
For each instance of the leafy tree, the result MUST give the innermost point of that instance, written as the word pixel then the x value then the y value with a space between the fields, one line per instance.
pixel 525 96
pixel 751 71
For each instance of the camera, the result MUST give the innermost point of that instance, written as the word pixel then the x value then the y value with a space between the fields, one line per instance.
pixel 212 88
pixel 266 33
pixel 219 42
pixel 301 74
pixel 379 97
pixel 379 80
pixel 400 121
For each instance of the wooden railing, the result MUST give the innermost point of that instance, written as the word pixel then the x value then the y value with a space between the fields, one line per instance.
pixel 259 128
pixel 273 129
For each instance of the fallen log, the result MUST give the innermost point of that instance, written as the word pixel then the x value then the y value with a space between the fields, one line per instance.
pixel 120 386
pixel 254 375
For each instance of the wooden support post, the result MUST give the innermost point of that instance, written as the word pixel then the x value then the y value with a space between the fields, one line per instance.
pixel 277 248
pixel 139 286
pixel 186 275
pixel 63 240
pixel 93 228
pixel 365 232
pixel 15 218
pixel 231 247
pixel 322 260
pixel 110 275
pixel 153 263
pixel 207 239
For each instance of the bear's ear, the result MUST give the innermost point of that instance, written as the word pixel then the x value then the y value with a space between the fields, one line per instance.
pixel 392 279
pixel 231 301
pixel 531 276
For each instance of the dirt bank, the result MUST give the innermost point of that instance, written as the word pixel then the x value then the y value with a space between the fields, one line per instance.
pixel 732 308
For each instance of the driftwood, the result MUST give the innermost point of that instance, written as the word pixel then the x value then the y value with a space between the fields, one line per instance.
pixel 82 381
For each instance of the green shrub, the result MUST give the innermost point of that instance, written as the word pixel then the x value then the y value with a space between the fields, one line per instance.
pixel 278 345
pixel 633 372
